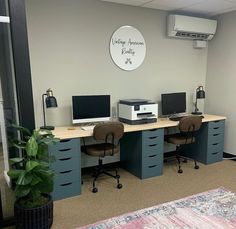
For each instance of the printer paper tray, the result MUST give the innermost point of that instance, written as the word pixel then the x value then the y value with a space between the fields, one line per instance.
pixel 144 116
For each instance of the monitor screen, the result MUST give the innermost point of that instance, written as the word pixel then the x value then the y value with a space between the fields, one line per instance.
pixel 173 103
pixel 90 108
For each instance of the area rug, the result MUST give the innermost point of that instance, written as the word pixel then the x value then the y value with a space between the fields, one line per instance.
pixel 215 209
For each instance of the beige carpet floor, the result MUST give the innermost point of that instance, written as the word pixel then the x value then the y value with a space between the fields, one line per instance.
pixel 137 194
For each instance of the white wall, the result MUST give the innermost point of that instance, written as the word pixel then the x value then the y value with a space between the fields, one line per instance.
pixel 221 77
pixel 69 52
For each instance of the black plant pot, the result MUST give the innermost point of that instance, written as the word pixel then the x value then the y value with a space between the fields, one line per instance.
pixel 34 218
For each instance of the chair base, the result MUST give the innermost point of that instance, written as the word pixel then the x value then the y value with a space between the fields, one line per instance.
pixel 178 148
pixel 100 170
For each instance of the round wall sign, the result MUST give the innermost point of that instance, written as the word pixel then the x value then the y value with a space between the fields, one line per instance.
pixel 127 48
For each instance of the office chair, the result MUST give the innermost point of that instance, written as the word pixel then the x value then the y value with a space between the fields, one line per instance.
pixel 108 136
pixel 188 127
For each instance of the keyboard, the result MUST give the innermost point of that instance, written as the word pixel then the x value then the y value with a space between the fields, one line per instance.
pixel 176 118
pixel 87 127
pixel 180 117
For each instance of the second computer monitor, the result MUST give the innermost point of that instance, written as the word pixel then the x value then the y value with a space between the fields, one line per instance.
pixel 173 103
pixel 90 108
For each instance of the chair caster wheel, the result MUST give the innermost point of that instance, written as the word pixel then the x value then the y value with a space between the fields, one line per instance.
pixel 185 161
pixel 196 167
pixel 94 190
pixel 119 186
pixel 180 171
pixel 118 176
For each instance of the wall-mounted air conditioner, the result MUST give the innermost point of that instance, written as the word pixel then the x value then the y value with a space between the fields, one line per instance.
pixel 194 28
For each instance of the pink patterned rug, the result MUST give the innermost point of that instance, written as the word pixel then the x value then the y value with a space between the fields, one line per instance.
pixel 215 209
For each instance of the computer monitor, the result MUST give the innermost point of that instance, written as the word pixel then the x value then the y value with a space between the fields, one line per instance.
pixel 173 103
pixel 90 108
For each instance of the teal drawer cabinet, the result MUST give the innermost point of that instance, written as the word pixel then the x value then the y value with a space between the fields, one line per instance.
pixel 142 153
pixel 209 144
pixel 67 181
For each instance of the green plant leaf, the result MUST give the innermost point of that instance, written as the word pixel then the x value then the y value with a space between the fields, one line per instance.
pixel 16 160
pixel 45 174
pixel 46 186
pixel 35 192
pixel 46 141
pixel 14 173
pixel 36 134
pixel 17 143
pixel 22 191
pixel 30 165
pixel 21 128
pixel 45 132
pixel 24 178
pixel 32 147
pixel 35 180
pixel 44 165
pixel 42 151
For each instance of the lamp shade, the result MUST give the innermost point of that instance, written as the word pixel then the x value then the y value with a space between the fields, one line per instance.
pixel 200 93
pixel 51 101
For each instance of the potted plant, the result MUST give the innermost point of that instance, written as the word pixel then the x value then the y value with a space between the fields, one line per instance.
pixel 32 179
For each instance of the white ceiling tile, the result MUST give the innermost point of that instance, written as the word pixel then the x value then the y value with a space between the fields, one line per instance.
pixel 128 2
pixel 203 7
pixel 233 1
pixel 222 11
pixel 210 7
pixel 171 4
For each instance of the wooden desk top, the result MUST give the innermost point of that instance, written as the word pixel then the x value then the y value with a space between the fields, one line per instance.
pixel 77 132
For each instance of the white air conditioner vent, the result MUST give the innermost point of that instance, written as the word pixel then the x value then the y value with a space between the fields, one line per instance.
pixel 192 35
pixel 186 27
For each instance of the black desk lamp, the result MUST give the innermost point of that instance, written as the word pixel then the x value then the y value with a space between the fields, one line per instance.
pixel 200 94
pixel 50 102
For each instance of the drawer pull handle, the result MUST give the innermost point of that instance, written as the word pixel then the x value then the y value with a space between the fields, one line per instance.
pixel 216 134
pixel 152 166
pixel 68 171
pixel 65 159
pixel 65 140
pixel 215 128
pixel 153 130
pixel 64 150
pixel 153 137
pixel 66 184
pixel 215 144
pixel 152 155
pixel 152 145
pixel 215 153
pixel 216 121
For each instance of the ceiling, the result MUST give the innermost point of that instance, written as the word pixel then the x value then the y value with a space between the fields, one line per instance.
pixel 198 7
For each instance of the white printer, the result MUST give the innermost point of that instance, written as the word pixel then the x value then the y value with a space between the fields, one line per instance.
pixel 137 111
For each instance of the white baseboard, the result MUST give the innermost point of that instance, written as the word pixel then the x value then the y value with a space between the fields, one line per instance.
pixel 7 178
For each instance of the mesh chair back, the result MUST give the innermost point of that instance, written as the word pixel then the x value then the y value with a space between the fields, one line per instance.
pixel 102 131
pixel 190 124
